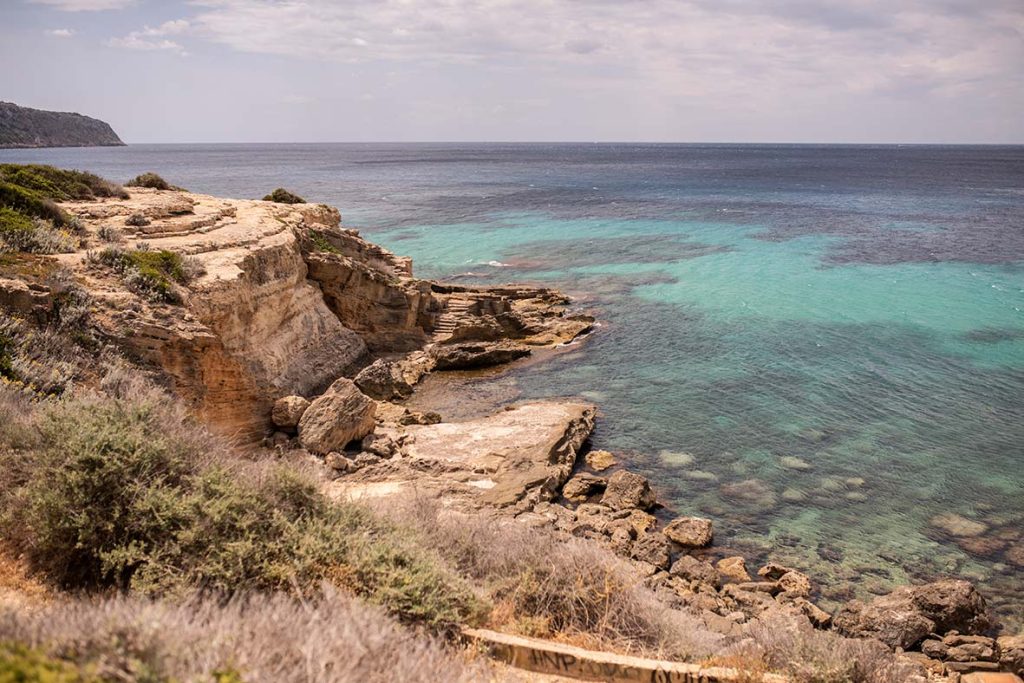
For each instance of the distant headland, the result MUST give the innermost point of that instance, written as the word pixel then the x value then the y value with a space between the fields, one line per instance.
pixel 22 127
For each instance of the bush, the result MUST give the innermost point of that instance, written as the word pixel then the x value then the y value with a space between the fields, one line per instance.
pixel 30 203
pixel 137 220
pixel 150 273
pixel 283 196
pixel 60 184
pixel 256 639
pixel 151 180
pixel 19 664
pixel 128 494
pixel 19 232
pixel 110 234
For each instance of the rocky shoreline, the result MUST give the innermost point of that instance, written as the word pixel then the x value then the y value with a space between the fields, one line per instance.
pixel 297 334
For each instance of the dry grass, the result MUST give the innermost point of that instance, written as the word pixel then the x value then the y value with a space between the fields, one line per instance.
pixel 791 646
pixel 546 585
pixel 271 638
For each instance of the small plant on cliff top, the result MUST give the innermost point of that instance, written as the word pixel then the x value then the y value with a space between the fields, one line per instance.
pixel 152 273
pixel 283 196
pixel 321 243
pixel 151 180
pixel 59 184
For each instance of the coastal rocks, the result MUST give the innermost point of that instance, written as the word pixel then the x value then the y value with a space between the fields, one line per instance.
pixel 652 548
pixel 341 415
pixel 383 381
pixel 692 569
pixel 751 492
pixel 600 460
pixel 471 356
pixel 530 446
pixel 908 614
pixel 628 490
pixel 581 486
pixel 733 569
pixel 287 411
pixel 690 532
pixel 1011 653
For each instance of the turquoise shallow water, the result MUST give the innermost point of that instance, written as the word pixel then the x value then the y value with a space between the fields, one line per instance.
pixel 820 347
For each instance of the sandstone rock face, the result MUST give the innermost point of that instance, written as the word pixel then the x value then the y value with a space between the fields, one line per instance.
pixel 628 490
pixel 342 415
pixel 252 328
pixel 690 532
pixel 383 381
pixel 908 614
pixel 288 410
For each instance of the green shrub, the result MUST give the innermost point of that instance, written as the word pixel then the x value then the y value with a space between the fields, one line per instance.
pixel 126 494
pixel 283 196
pixel 151 180
pixel 59 184
pixel 19 664
pixel 19 232
pixel 321 243
pixel 30 203
pixel 151 273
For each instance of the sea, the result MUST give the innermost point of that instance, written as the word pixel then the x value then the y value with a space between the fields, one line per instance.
pixel 821 347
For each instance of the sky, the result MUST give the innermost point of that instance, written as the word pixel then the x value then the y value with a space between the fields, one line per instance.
pixel 857 71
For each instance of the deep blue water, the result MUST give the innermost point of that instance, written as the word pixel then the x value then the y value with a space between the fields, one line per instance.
pixel 822 347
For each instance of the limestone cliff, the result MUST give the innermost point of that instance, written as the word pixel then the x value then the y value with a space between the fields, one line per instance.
pixel 25 127
pixel 259 300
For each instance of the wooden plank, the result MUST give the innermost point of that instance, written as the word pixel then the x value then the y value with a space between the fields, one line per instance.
pixel 543 656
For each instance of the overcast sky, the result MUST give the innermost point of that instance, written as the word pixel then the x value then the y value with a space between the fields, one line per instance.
pixel 630 70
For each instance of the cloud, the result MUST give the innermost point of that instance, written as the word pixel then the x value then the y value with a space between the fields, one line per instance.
pixel 689 47
pixel 152 38
pixel 60 32
pixel 85 5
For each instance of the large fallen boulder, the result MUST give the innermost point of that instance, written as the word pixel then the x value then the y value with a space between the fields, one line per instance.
pixel 908 614
pixel 288 411
pixel 341 415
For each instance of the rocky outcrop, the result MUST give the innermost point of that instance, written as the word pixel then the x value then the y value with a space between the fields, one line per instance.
pixel 341 415
pixel 284 301
pixel 628 490
pixel 26 127
pixel 904 617
pixel 690 532
pixel 470 356
pixel 288 411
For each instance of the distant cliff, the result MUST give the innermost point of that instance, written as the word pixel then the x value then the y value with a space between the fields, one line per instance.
pixel 24 127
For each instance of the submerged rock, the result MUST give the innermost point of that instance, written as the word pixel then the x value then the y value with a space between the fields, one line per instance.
pixel 958 525
pixel 342 415
pixel 600 460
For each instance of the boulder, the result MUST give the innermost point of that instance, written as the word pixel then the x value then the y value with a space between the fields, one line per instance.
pixel 1011 653
pixel 414 417
pixel 582 486
pixel 341 415
pixel 795 583
pixel 652 548
pixel 690 532
pixel 470 356
pixel 627 490
pixel 600 460
pixel 287 411
pixel 383 381
pixel 692 569
pixel 733 569
pixel 908 614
